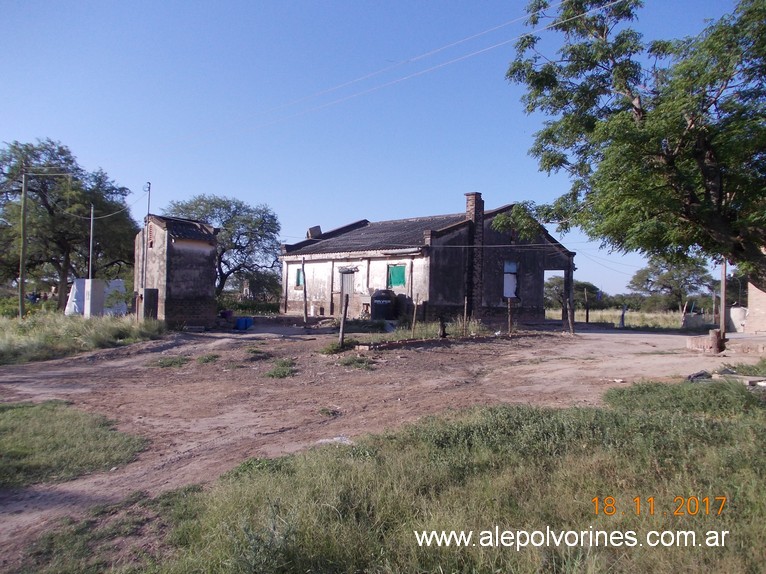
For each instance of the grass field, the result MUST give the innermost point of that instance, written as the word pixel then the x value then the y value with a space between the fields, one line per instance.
pixel 633 319
pixel 51 335
pixel 51 442
pixel 691 453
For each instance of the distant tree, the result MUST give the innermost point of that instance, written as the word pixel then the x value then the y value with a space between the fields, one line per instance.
pixel 248 242
pixel 553 293
pixel 58 217
pixel 673 281
pixel 264 286
pixel 665 143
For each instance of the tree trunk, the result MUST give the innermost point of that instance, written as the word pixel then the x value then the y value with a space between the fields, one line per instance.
pixel 63 291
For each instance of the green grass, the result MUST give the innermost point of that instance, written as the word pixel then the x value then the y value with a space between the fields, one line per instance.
pixel 51 335
pixel 430 330
pixel 354 508
pixel 666 320
pixel 282 369
pixel 357 361
pixel 170 362
pixel 52 442
pixel 255 354
pixel 757 370
pixel 95 544
pixel 348 509
pixel 208 358
pixel 334 348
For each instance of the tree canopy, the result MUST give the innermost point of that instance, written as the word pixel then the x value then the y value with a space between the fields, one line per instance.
pixel 673 280
pixel 665 142
pixel 58 217
pixel 248 242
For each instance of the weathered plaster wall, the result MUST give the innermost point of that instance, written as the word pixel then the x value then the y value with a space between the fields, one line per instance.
pixel 323 282
pixel 756 310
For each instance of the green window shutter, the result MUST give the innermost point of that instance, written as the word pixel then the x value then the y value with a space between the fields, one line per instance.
pixel 396 275
pixel 299 278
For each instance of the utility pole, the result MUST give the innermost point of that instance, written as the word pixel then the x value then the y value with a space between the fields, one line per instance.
pixel 90 251
pixel 23 250
pixel 148 189
pixel 722 307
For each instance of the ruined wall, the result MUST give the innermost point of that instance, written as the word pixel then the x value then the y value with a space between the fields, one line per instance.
pixel 449 273
pixel 189 292
pixel 532 259
pixel 756 310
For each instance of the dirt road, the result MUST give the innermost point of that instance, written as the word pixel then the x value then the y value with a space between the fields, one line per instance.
pixel 203 419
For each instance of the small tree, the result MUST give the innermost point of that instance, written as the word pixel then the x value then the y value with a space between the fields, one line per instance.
pixel 248 241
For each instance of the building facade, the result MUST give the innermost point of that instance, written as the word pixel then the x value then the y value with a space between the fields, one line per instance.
pixel 175 272
pixel 442 263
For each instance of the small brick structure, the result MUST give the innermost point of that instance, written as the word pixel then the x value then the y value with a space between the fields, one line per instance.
pixel 179 264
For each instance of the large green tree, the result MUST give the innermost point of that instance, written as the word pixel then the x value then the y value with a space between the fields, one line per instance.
pixel 665 142
pixel 248 241
pixel 674 280
pixel 58 217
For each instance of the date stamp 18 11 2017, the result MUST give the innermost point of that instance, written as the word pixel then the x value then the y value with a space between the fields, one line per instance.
pixel 648 506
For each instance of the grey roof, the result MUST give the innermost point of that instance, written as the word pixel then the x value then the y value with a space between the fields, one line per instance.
pixel 179 228
pixel 375 236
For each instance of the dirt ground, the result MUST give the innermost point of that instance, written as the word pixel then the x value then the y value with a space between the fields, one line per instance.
pixel 203 419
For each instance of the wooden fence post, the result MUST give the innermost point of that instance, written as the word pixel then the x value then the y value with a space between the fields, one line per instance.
pixel 342 334
pixel 415 315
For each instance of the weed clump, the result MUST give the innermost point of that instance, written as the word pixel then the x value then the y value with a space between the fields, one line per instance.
pixel 334 348
pixel 283 368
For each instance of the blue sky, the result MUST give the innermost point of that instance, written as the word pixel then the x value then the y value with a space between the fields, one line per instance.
pixel 327 111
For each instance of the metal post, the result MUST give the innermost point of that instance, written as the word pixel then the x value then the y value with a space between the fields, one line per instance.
pixel 23 250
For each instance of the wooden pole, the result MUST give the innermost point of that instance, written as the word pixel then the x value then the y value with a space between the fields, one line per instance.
pixel 465 316
pixel 305 295
pixel 342 333
pixel 510 317
pixel 723 304
pixel 415 315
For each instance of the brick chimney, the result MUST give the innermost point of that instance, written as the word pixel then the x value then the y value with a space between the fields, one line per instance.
pixel 474 212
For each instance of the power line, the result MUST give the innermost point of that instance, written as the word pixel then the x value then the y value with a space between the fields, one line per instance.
pixel 402 63
pixel 427 70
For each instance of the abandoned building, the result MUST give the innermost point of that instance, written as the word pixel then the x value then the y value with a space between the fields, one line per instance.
pixel 441 263
pixel 175 271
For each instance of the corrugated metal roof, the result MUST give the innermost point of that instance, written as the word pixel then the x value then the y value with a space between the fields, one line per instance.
pixel 377 236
